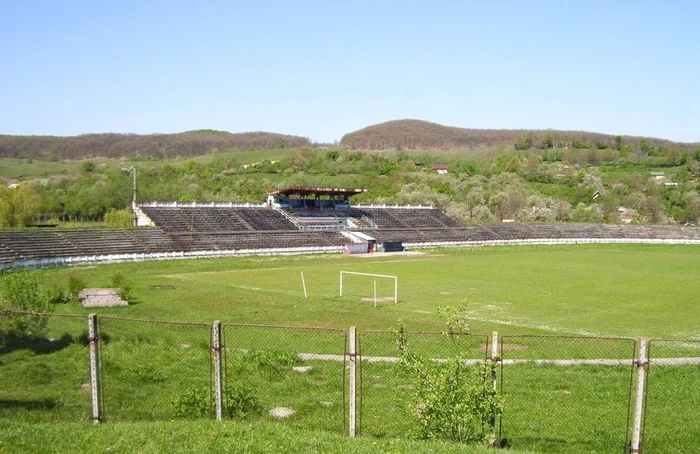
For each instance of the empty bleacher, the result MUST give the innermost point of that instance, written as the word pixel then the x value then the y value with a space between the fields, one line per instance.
pixel 525 232
pixel 26 245
pixel 230 241
pixel 404 218
pixel 216 219
pixel 328 218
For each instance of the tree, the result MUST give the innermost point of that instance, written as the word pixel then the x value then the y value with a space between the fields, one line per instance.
pixel 524 143
pixel 674 157
pixel 653 209
pixel 119 218
pixel 547 143
pixel 507 204
pixel 332 155
pixel 646 147
pixel 88 166
pixel 618 143
pixel 509 163
pixel 18 206
pixel 474 198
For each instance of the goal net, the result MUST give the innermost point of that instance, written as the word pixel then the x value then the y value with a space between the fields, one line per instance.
pixel 370 287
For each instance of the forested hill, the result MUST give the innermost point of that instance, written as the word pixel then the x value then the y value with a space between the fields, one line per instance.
pixel 186 144
pixel 423 135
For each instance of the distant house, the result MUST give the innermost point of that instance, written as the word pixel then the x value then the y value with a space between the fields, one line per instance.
pixel 658 176
pixel 441 169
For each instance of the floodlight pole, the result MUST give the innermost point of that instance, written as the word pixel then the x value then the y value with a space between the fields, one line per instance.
pixel 134 193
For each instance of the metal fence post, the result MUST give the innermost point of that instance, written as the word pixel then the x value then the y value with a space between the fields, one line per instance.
pixel 218 369
pixel 642 365
pixel 95 378
pixel 494 361
pixel 353 381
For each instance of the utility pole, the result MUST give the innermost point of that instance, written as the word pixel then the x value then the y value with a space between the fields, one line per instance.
pixel 133 197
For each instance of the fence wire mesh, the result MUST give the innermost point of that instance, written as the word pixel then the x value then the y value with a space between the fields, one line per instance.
pixel 155 370
pixel 672 421
pixel 292 374
pixel 566 394
pixel 561 393
pixel 388 393
pixel 44 376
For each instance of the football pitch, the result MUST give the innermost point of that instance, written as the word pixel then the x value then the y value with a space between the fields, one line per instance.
pixel 611 290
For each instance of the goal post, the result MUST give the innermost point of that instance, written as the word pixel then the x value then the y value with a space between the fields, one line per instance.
pixel 381 276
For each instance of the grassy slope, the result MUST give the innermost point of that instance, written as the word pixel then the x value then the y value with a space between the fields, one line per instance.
pixel 16 169
pixel 201 436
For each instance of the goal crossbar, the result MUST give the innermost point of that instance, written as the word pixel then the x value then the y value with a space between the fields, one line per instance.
pixel 395 278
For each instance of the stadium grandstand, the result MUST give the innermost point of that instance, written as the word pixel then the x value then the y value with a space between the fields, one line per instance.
pixel 294 221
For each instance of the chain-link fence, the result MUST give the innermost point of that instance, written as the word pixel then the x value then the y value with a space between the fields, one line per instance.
pixel 155 370
pixel 44 374
pixel 566 394
pixel 390 391
pixel 558 393
pixel 293 374
pixel 673 397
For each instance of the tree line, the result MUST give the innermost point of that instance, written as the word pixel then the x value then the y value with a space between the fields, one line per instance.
pixel 537 185
pixel 159 146
pixel 423 135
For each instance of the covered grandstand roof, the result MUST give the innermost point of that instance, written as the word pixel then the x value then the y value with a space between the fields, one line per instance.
pixel 306 191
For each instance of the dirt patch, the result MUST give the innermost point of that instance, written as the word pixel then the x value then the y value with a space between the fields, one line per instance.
pixel 388 254
pixel 379 298
pixel 282 412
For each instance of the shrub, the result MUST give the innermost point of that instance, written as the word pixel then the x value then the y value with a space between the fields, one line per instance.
pixel 450 400
pixel 22 290
pixel 272 359
pixel 57 295
pixel 122 285
pixel 75 285
pixel 240 402
pixel 193 403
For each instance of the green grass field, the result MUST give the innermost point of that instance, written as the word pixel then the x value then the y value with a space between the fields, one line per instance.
pixel 523 292
pixel 613 290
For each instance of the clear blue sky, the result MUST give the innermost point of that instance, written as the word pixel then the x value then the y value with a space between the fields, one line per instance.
pixel 323 68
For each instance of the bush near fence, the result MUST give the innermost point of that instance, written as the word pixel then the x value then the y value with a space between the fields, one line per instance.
pixel 562 394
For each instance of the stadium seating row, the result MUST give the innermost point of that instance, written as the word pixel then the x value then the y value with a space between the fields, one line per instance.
pixel 495 232
pixel 405 218
pixel 186 229
pixel 204 219
pixel 22 245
